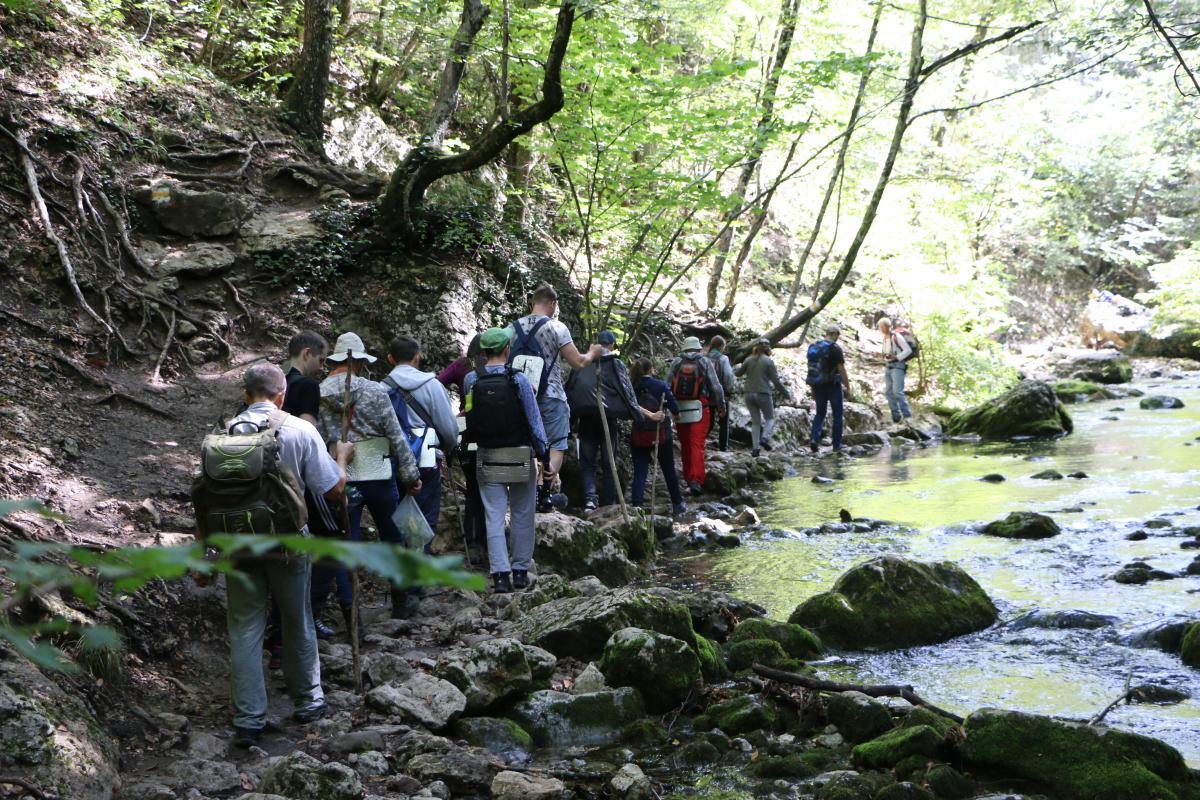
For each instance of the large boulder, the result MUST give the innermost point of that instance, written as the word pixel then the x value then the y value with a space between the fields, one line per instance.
pixel 896 745
pixel 1071 760
pixel 1160 401
pixel 594 718
pixel 1031 408
pixel 300 775
pixel 743 714
pixel 1095 366
pixel 890 602
pixel 797 642
pixel 1189 648
pixel 1081 391
pixel 792 424
pixel 664 669
pixel 576 547
pixel 488 674
pixel 192 212
pixel 580 626
pixel 423 699
pixel 1023 525
pixel 858 717
pixel 1137 330
pixel 714 614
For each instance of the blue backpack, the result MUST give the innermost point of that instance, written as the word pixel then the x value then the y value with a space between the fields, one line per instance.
pixel 821 369
pixel 399 400
pixel 526 356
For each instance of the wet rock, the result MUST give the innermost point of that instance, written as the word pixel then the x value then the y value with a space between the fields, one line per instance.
pixel 1158 695
pixel 896 745
pixel 151 790
pixel 1189 648
pixel 1062 620
pixel 425 699
pixel 207 776
pixel 189 212
pixel 1077 475
pixel 1047 475
pixel 1139 572
pixel 521 786
pixel 712 663
pixel 867 439
pixel 488 674
pixel 1073 760
pixel 821 479
pixel 576 547
pixel 858 718
pixel 743 714
pixel 581 626
pixel 463 770
pixel 1023 525
pixel 1158 523
pixel 744 654
pixel 590 679
pixel 1081 391
pixel 578 719
pixel 503 737
pixel 1160 401
pixel 993 477
pixel 890 602
pixel 948 783
pixel 1028 409
pixel 1096 366
pixel 371 764
pixel 796 641
pixel 845 785
pixel 1165 636
pixel 697 753
pixel 664 669
pixel 630 783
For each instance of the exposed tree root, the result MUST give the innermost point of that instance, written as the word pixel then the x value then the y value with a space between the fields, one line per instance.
pixel 114 391
pixel 162 356
pixel 887 690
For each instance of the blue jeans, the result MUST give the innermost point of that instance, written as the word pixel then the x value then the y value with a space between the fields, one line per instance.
pixel 430 498
pixel 893 389
pixel 826 396
pixel 666 463
pixel 592 454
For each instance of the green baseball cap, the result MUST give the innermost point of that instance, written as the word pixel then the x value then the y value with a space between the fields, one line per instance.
pixel 495 338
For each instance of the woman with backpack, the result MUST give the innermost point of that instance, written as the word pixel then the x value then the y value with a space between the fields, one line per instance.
pixel 647 436
pixel 699 395
pixel 896 354
pixel 762 379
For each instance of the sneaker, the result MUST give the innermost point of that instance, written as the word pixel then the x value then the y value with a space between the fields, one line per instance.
pixel 323 630
pixel 694 488
pixel 502 582
pixel 895 420
pixel 246 738
pixel 754 453
pixel 813 446
pixel 310 714
pixel 520 579
pixel 767 446
pixel 589 506
pixel 678 509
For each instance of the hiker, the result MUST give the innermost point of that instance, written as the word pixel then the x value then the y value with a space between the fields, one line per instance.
pixel 504 421
pixel 826 379
pixel 650 435
pixel 302 462
pixel 620 402
pixel 473 525
pixel 429 416
pixel 896 354
pixel 538 341
pixel 716 354
pixel 762 379
pixel 453 375
pixel 383 457
pixel 699 395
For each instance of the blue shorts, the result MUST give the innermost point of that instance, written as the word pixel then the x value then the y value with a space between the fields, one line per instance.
pixel 556 419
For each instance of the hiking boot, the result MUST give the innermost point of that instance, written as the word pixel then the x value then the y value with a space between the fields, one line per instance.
pixel 502 582
pixel 520 579
pixel 322 628
pixel 813 446
pixel 694 488
pixel 754 453
pixel 246 737
pixel 310 714
pixel 679 509
pixel 767 446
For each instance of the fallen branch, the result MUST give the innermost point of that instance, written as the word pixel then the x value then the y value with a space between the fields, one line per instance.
pixel 888 690
pixel 1125 695
pixel 162 356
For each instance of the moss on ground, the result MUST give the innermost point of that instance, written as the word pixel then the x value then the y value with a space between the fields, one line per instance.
pixel 797 641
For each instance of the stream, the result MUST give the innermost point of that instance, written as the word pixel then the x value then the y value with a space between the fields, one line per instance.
pixel 1142 465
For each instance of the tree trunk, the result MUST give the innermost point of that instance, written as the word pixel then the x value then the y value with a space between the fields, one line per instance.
pixel 426 164
pixel 762 137
pixel 305 101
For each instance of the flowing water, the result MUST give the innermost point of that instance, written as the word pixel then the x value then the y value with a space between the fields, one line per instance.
pixel 1142 465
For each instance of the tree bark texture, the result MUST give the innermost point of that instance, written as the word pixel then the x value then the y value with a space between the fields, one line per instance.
pixel 305 100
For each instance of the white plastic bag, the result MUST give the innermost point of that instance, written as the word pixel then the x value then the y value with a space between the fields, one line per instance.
pixel 414 529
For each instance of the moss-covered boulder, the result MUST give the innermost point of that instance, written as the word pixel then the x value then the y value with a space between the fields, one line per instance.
pixel 923 716
pixel 905 790
pixel 857 717
pixel 1096 366
pixel 504 737
pixel 1031 408
pixel 488 674
pixel 1081 391
pixel 560 719
pixel 743 714
pixel 580 626
pixel 712 662
pixel 1071 760
pixel 891 748
pixel 796 641
pixel 948 783
pixel 748 652
pixel 890 602
pixel 636 535
pixel 1160 401
pixel 664 669
pixel 714 613
pixel 1023 525
pixel 1189 648
pixel 576 547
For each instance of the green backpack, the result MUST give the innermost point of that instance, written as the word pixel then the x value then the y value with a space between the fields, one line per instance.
pixel 244 487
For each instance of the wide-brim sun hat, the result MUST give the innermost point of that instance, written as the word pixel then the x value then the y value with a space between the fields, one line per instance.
pixel 691 343
pixel 349 345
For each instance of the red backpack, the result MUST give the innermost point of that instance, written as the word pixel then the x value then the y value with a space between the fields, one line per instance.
pixel 688 383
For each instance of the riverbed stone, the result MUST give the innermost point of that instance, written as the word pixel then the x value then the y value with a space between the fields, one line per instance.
pixel 1081 392
pixel 503 737
pixel 743 714
pixel 714 614
pixel 1047 475
pixel 890 602
pixel 745 653
pixel 565 719
pixel 1031 408
pixel 509 785
pixel 488 674
pixel 1139 572
pixel 858 718
pixel 575 547
pixel 1072 760
pixel 892 747
pixel 1189 648
pixel 1023 525
pixel 423 698
pixel 712 662
pixel 1096 366
pixel 664 669
pixel 1069 619
pixel 300 775
pixel 630 783
pixel 904 790
pixel 796 641
pixel 1160 401
pixel 948 783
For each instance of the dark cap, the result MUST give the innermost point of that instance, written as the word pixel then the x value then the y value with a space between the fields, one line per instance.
pixel 606 338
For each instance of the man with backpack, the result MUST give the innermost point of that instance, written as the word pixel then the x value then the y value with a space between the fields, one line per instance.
pixel 619 402
pixel 424 412
pixel 538 341
pixel 698 393
pixel 826 379
pixel 716 354
pixel 253 479
pixel 503 420
pixel 762 379
pixel 384 458
pixel 898 350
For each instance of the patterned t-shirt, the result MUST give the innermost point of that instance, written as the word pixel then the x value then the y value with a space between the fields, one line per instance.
pixel 552 337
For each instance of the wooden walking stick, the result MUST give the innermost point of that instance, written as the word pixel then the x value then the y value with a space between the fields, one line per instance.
pixel 608 448
pixel 458 510
pixel 356 658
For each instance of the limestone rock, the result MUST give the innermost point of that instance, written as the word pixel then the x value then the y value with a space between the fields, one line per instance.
pixel 521 786
pixel 191 212
pixel 502 737
pixel 464 770
pixel 205 775
pixel 890 602
pixel 274 231
pixel 1031 408
pixel 382 667
pixel 1095 366
pixel 858 718
pixel 1023 525
pixel 590 679
pixel 711 610
pixel 575 547
pixel 578 719
pixel 630 783
pixel 664 669
pixel 488 674
pixel 423 698
pixel 300 775
pixel 196 259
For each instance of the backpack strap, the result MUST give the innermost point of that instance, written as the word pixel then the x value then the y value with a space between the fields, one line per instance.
pixel 537 326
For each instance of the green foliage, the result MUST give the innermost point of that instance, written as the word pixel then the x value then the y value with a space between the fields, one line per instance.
pixel 966 363
pixel 1176 298
pixel 315 265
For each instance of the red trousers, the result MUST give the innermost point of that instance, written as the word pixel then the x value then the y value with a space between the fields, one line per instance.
pixel 691 445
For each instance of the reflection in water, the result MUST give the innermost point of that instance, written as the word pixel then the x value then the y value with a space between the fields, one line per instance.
pixel 1142 465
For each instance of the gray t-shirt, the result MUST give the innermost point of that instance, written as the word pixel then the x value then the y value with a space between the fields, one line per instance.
pixel 552 337
pixel 300 447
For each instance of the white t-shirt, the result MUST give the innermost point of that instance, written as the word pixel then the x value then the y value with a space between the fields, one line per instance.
pixel 895 345
pixel 551 337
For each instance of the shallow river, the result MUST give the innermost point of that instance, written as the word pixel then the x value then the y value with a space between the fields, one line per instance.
pixel 1142 465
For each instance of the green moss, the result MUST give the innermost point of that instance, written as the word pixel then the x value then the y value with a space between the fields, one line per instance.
pixel 894 746
pixel 923 716
pixel 1074 761
pixel 1081 391
pixel 847 787
pixel 742 655
pixel 948 783
pixel 789 766
pixel 1189 649
pixel 1031 408
pixel 1023 525
pixel 743 714
pixel 910 766
pixel 796 641
pixel 695 753
pixel 712 663
pixel 644 732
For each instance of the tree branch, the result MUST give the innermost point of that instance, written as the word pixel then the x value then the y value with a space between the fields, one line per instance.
pixel 1158 26
pixel 887 690
pixel 975 47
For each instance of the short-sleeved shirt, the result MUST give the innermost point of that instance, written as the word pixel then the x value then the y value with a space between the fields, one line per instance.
pixel 551 338
pixel 300 448
pixel 303 394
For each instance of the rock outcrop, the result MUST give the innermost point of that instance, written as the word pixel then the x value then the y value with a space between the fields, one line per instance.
pixel 561 719
pixel 664 669
pixel 1095 366
pixel 1031 408
pixel 605 546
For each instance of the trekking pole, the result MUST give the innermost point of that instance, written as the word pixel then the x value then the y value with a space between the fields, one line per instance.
pixel 355 656
pixel 458 510
pixel 608 449
pixel 654 453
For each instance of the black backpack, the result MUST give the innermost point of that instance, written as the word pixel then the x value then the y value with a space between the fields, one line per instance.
pixel 821 370
pixel 495 416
